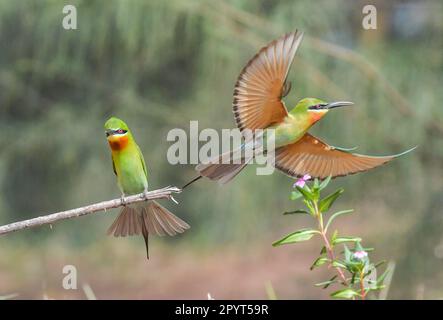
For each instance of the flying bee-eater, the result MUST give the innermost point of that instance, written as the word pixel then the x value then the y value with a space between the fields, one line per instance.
pixel 258 104
pixel 132 178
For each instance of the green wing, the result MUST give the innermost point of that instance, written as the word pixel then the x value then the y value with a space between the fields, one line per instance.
pixel 142 160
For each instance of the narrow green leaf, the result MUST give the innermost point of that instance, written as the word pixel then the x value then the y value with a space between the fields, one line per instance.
pixel 335 215
pixel 353 278
pixel 338 264
pixel 332 280
pixel 323 250
pixel 378 264
pixel 306 193
pixel 326 284
pixel 381 279
pixel 334 236
pixel 358 247
pixel 298 236
pixel 364 249
pixel 355 267
pixel 316 184
pixel 345 294
pixel 375 288
pixel 295 195
pixel 309 206
pixel 316 194
pixel 316 190
pixel 299 211
pixel 348 254
pixel 327 202
pixel 320 261
pixel 345 239
pixel 325 183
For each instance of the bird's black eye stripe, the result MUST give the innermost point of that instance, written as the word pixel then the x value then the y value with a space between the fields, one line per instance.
pixel 318 106
pixel 117 131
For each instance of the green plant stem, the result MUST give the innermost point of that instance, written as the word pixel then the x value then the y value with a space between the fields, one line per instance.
pixel 328 246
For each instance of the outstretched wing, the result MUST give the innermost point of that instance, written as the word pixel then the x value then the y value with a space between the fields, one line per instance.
pixel 312 156
pixel 262 84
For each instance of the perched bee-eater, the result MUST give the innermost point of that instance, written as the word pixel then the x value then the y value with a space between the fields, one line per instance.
pixel 132 178
pixel 258 104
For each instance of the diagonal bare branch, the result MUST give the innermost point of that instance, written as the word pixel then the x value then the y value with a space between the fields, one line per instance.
pixel 164 193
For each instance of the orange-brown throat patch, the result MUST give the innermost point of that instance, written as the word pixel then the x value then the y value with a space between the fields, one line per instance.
pixel 316 115
pixel 118 143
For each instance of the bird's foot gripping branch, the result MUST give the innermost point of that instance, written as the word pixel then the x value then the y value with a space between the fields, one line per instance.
pixel 352 269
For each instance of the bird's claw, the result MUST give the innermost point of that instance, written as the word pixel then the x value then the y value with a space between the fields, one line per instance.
pixel 122 200
pixel 173 200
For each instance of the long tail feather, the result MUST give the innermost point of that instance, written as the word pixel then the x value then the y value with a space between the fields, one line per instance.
pixel 149 219
pixel 145 232
pixel 226 166
pixel 192 181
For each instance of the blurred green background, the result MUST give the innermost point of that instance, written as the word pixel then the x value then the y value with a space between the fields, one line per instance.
pixel 158 65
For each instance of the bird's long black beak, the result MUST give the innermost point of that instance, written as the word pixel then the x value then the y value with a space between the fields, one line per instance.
pixel 109 132
pixel 338 104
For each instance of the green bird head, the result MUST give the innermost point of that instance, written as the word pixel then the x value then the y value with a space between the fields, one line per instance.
pixel 117 133
pixel 115 126
pixel 317 108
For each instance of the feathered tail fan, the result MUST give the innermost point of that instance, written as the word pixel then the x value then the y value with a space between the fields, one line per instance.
pixel 149 219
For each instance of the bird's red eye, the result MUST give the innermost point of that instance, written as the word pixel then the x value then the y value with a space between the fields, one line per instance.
pixel 120 131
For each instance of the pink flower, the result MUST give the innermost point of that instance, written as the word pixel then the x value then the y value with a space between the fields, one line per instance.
pixel 301 181
pixel 360 254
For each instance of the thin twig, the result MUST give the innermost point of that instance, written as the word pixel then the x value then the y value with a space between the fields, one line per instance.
pixel 164 193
